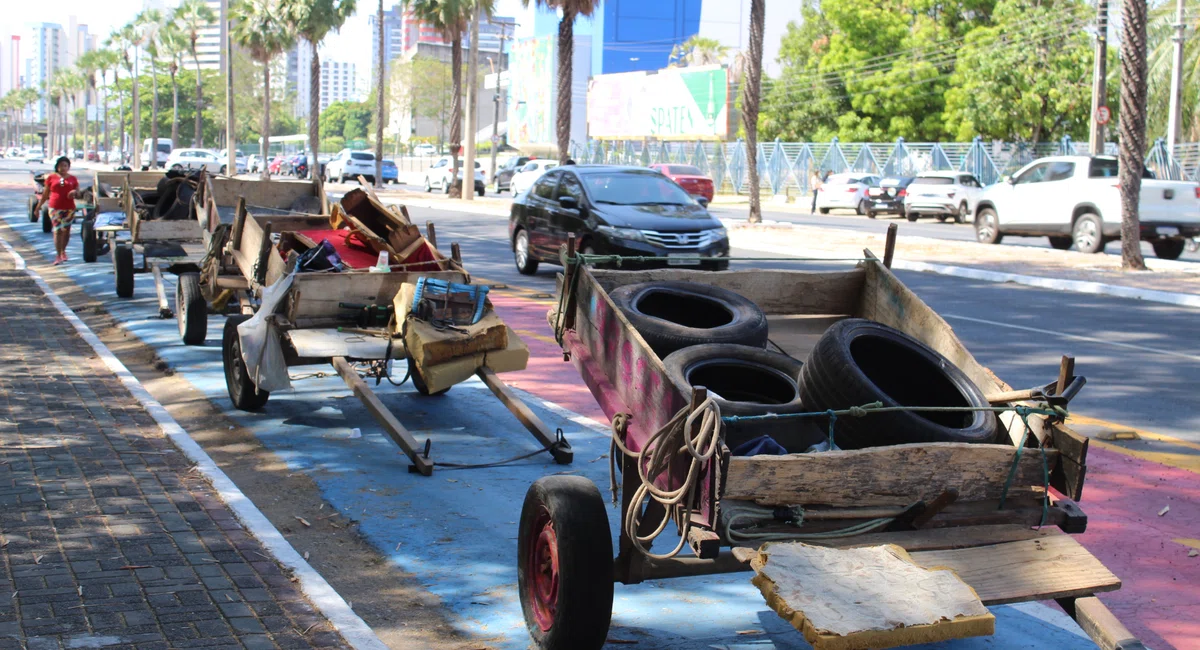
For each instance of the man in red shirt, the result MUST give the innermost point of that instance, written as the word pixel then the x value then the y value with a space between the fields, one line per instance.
pixel 61 190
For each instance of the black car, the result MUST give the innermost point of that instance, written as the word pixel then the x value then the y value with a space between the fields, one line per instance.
pixel 888 198
pixel 630 211
pixel 505 172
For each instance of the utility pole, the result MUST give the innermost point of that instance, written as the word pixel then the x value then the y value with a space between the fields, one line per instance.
pixel 496 101
pixel 230 127
pixel 468 182
pixel 1099 79
pixel 1176 79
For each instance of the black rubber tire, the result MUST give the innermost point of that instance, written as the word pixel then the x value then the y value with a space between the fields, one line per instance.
pixel 912 216
pixel 942 218
pixel 858 361
pixel 191 310
pixel 530 264
pixel 1088 234
pixel 722 265
pixel 418 382
pixel 870 214
pixel 674 315
pixel 90 243
pixel 123 267
pixel 1168 249
pixel 861 208
pixel 748 381
pixel 174 199
pixel 572 508
pixel 961 215
pixel 33 215
pixel 47 225
pixel 823 210
pixel 987 227
pixel 1060 243
pixel 237 379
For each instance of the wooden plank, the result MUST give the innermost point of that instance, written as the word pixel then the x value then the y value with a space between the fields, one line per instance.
pixel 1052 567
pixel 868 477
pixel 774 291
pixel 167 230
pixel 937 539
pixel 1103 628
pixel 562 454
pixel 390 424
pixel 323 292
pixel 430 345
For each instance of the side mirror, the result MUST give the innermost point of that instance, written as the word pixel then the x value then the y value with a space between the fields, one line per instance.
pixel 703 201
pixel 568 202
pixel 1009 179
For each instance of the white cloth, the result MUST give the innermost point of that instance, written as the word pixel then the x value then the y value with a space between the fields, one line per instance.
pixel 260 341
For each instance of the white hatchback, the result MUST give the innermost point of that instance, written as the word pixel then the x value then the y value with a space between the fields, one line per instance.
pixel 846 191
pixel 942 194
pixel 192 159
pixel 527 175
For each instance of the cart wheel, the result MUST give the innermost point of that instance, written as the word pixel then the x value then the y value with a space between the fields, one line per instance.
pixel 564 564
pixel 33 215
pixel 242 391
pixel 418 381
pixel 191 310
pixel 123 262
pixel 88 232
pixel 47 226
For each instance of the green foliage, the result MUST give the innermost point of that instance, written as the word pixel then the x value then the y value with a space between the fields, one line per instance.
pixel 345 120
pixel 423 87
pixel 1161 46
pixel 698 50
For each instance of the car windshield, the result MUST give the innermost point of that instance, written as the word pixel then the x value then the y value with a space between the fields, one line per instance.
pixel 388 163
pixel 684 170
pixel 362 156
pixel 1107 168
pixel 933 180
pixel 842 179
pixel 634 188
pixel 894 182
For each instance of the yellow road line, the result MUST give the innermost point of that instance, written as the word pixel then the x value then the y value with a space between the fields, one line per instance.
pixel 534 335
pixel 1187 460
pixel 1194 543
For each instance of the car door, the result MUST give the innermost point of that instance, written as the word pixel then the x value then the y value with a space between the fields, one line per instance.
pixel 538 204
pixel 1021 204
pixel 1056 196
pixel 564 221
pixel 971 189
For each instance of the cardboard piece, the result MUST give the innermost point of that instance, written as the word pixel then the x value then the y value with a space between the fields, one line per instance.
pixel 515 356
pixel 431 346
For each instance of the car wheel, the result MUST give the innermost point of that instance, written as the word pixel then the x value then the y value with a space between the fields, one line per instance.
pixel 861 208
pixel 870 214
pixel 1193 245
pixel 823 210
pixel 912 216
pixel 224 168
pixel 176 168
pixel 1088 234
pixel 961 215
pixel 526 265
pixel 1168 249
pixel 1060 243
pixel 941 218
pixel 428 186
pixel 987 227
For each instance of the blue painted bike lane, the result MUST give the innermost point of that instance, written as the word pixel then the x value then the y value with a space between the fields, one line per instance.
pixel 457 530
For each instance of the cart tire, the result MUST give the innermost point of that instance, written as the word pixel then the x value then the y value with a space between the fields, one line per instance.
pixel 123 263
pixel 748 381
pixel 565 564
pixel 857 362
pixel 47 225
pixel 88 232
pixel 418 382
pixel 242 392
pixel 675 315
pixel 191 310
pixel 33 215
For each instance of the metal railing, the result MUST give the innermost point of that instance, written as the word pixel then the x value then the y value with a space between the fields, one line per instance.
pixel 784 168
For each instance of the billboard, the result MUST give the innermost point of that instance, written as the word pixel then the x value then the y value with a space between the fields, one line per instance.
pixel 531 110
pixel 671 104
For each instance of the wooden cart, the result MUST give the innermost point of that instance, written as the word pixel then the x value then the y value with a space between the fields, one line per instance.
pixel 999 550
pixel 316 321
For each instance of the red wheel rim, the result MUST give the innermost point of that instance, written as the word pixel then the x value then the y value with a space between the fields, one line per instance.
pixel 542 584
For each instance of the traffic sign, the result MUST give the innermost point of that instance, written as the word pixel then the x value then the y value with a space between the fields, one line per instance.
pixel 1103 115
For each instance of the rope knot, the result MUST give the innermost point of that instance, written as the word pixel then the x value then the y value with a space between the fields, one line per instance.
pixel 857 411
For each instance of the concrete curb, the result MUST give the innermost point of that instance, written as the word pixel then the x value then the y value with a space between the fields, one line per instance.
pixel 1074 286
pixel 350 625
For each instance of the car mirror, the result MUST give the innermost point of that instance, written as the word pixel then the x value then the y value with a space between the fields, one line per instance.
pixel 568 202
pixel 703 201
pixel 1009 179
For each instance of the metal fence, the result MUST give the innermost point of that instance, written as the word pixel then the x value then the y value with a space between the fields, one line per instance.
pixel 784 168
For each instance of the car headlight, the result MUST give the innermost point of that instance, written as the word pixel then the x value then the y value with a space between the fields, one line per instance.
pixel 717 234
pixel 632 234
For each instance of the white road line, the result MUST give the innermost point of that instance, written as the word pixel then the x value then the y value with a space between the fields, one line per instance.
pixel 329 602
pixel 1075 337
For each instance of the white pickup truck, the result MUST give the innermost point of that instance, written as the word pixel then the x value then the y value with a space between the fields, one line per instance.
pixel 1075 200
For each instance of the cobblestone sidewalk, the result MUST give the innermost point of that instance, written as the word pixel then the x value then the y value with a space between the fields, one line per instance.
pixel 107 538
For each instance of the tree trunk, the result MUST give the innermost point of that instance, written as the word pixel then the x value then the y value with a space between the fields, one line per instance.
pixel 154 116
pixel 1132 127
pixel 455 109
pixel 379 116
pixel 137 119
pixel 107 141
pixel 751 87
pixel 196 137
pixel 174 106
pixel 566 52
pixel 314 114
pixel 120 120
pixel 264 147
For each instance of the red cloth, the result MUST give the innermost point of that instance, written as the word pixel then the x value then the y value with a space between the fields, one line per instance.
pixel 353 253
pixel 61 189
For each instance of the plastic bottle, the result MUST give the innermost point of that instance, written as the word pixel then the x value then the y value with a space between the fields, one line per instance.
pixel 381 264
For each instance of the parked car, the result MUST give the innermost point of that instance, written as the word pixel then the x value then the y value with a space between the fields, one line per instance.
pixel 1075 200
pixel 846 191
pixel 613 211
pixel 239 160
pixel 35 155
pixel 424 149
pixel 689 177
pixel 942 194
pixel 278 165
pixel 524 179
pixel 163 151
pixel 888 197
pixel 92 156
pixel 13 152
pixel 322 159
pixel 351 164
pixel 114 157
pixel 505 172
pixel 438 176
pixel 389 173
pixel 190 159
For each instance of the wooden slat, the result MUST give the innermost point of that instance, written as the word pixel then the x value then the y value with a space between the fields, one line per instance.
pixel 775 292
pixel 938 539
pixel 863 478
pixel 390 424
pixel 1104 628
pixel 528 418
pixel 1052 567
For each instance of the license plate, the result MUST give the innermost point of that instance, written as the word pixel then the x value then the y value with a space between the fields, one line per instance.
pixel 680 259
pixel 1167 231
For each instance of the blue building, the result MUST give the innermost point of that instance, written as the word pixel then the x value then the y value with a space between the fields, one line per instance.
pixel 638 35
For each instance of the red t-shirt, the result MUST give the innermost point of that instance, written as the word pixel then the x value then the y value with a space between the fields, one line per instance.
pixel 61 189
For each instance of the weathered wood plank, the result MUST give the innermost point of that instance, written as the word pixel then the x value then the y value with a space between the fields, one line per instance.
pixel 1052 567
pixel 938 539
pixel 775 292
pixel 1103 628
pixel 390 424
pixel 873 477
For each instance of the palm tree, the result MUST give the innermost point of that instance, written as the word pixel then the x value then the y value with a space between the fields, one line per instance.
pixel 88 65
pixel 106 60
pixel 313 20
pixel 54 93
pixel 73 83
pixel 751 89
pixel 1160 38
pixel 126 38
pixel 698 50
pixel 450 18
pixel 172 45
pixel 566 51
pixel 150 21
pixel 193 16
pixel 29 96
pixel 259 27
pixel 1131 129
